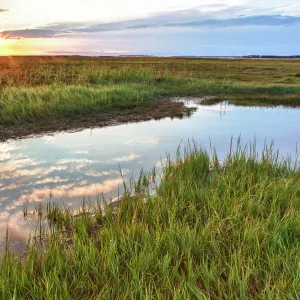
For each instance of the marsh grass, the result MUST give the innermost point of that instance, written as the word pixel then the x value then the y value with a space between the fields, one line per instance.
pixel 36 89
pixel 32 104
pixel 211 231
pixel 19 105
pixel 33 71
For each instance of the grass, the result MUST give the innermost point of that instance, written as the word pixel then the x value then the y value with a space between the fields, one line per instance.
pixel 35 104
pixel 35 71
pixel 211 231
pixel 35 89
pixel 63 102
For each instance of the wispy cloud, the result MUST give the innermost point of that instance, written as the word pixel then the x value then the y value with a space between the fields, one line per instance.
pixel 2 13
pixel 208 17
pixel 32 172
pixel 241 21
pixel 127 158
pixel 29 33
pixel 71 191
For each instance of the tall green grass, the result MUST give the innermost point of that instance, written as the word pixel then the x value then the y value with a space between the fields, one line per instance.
pixel 113 91
pixel 19 105
pixel 211 231
pixel 37 92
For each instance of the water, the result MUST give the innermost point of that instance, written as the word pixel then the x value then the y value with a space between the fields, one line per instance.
pixel 68 166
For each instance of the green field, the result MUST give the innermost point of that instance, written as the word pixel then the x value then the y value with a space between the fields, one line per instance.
pixel 35 89
pixel 212 231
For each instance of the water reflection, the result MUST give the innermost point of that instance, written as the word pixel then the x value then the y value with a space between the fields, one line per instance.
pixel 68 166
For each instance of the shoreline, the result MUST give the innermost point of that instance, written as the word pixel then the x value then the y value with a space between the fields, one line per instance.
pixel 157 110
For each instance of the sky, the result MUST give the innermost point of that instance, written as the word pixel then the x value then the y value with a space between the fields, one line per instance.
pixel 156 27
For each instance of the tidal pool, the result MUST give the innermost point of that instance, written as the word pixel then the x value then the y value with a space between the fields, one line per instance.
pixel 70 166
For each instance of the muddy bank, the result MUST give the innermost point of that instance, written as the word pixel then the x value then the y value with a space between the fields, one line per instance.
pixel 158 110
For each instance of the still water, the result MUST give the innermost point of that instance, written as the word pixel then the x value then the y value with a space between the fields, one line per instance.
pixel 70 166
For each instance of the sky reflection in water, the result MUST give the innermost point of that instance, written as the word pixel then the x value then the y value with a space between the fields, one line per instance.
pixel 88 163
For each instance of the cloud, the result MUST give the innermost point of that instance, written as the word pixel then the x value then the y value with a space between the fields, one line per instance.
pixel 56 180
pixel 130 157
pixel 18 230
pixel 207 17
pixel 29 33
pixel 106 173
pixel 81 152
pixel 72 191
pixel 34 172
pixel 3 14
pixel 241 21
pixel 15 163
pixel 193 18
pixel 76 161
pixel 7 147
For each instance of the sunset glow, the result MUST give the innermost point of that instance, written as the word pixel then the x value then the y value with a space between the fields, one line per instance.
pixel 21 46
pixel 3 48
pixel 8 47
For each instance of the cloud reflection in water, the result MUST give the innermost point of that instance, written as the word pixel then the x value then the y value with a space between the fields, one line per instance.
pixel 73 165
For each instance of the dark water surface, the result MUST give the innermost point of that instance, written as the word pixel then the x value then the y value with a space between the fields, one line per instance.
pixel 87 163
